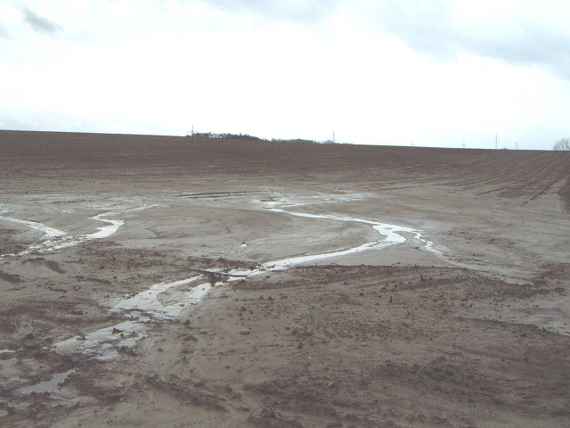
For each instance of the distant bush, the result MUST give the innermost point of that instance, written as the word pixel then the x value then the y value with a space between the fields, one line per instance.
pixel 221 137
pixel 294 141
pixel 562 145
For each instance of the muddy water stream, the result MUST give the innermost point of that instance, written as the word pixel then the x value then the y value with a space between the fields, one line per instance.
pixel 151 304
pixel 169 300
pixel 55 239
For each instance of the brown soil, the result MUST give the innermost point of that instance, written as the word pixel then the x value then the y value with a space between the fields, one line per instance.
pixel 479 337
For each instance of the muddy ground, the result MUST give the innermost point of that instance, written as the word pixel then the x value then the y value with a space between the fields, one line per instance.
pixel 475 333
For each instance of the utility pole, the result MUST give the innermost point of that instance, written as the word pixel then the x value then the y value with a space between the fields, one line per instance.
pixel 497 142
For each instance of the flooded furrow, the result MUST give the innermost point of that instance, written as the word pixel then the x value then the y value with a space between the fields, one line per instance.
pixel 53 386
pixel 55 239
pixel 50 234
pixel 389 235
pixel 102 232
pixel 106 343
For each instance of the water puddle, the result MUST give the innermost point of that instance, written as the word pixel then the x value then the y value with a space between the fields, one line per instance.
pixel 192 297
pixel 105 344
pixel 49 232
pixel 148 303
pixel 53 387
pixel 105 231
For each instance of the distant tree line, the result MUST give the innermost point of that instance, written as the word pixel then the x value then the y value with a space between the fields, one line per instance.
pixel 296 141
pixel 247 137
pixel 223 136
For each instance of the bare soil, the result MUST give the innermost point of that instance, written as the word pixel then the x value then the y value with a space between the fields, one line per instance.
pixel 477 336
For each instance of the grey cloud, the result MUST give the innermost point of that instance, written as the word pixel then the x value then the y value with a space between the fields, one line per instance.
pixel 299 10
pixel 39 23
pixel 535 47
pixel 424 26
pixel 431 29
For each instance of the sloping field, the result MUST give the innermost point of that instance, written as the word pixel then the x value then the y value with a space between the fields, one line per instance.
pixel 525 174
pixel 163 281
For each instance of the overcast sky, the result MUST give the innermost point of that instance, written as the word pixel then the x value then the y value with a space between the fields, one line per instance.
pixel 437 72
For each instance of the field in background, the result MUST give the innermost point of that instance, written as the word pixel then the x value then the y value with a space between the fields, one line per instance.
pixel 473 334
